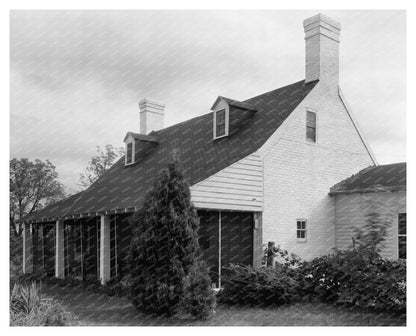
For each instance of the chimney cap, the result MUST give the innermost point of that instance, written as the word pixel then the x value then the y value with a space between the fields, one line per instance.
pixel 311 22
pixel 151 102
pixel 322 25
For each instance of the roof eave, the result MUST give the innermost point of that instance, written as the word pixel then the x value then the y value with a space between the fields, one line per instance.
pixel 368 190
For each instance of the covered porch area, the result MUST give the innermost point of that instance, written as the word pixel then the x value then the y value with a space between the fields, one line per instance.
pixel 90 248
pixel 97 248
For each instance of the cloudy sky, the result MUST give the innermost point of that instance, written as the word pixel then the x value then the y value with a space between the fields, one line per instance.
pixel 76 76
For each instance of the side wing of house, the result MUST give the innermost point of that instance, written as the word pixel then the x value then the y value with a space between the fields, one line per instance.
pixel 352 211
pixel 299 215
pixel 238 187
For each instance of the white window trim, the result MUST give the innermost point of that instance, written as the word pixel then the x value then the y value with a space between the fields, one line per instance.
pixel 132 154
pixel 301 240
pixel 316 125
pixel 227 121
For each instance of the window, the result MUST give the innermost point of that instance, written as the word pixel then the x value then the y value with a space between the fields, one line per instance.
pixel 311 126
pixel 220 123
pixel 402 235
pixel 129 153
pixel 301 229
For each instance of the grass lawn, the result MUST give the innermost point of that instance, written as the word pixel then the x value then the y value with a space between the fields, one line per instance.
pixel 99 310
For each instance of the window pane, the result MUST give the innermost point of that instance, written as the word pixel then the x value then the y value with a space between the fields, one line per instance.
pixel 302 234
pixel 298 225
pixel 402 224
pixel 402 247
pixel 303 225
pixel 311 133
pixel 220 130
pixel 129 152
pixel 298 234
pixel 221 117
pixel 311 119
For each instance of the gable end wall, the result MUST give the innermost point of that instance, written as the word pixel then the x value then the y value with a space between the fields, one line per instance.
pixel 298 174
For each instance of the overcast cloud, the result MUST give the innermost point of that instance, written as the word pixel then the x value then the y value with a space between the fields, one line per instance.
pixel 76 76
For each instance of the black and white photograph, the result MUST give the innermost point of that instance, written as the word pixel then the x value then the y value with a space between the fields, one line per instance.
pixel 207 167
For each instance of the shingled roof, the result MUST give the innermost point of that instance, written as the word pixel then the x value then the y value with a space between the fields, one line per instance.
pixel 124 187
pixel 388 177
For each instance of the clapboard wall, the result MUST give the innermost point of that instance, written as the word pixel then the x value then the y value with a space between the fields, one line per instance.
pixel 238 187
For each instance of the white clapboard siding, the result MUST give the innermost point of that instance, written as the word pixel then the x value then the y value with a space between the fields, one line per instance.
pixel 238 187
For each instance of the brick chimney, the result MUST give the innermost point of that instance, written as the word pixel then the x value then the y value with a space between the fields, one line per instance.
pixel 152 116
pixel 322 49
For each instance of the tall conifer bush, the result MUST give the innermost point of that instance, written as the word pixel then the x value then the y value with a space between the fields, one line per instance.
pixel 164 245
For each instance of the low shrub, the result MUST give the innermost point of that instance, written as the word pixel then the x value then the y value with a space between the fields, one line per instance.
pixel 29 308
pixel 357 279
pixel 276 255
pixel 351 278
pixel 199 299
pixel 265 286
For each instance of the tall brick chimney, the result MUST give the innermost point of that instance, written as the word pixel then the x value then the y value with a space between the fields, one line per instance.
pixel 322 49
pixel 152 116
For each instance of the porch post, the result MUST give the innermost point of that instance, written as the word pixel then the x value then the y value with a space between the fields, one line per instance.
pixel 27 250
pixel 59 250
pixel 105 266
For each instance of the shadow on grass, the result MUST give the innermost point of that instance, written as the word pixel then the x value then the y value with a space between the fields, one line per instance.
pixel 102 310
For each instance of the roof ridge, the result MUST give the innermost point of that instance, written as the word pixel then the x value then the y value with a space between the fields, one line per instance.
pixel 242 101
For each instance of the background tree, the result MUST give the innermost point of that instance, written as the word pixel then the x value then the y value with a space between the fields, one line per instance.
pixel 32 186
pixel 100 163
pixel 164 245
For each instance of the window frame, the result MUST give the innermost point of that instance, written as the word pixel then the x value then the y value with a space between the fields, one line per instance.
pixel 226 121
pixel 132 153
pixel 307 127
pixel 304 230
pixel 399 235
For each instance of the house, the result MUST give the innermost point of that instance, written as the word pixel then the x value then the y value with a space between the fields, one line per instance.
pixel 259 170
pixel 377 189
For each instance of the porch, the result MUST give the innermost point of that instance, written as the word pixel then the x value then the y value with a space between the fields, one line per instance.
pixel 97 248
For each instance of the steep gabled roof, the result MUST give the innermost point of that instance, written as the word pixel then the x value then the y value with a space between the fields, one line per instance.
pixel 124 187
pixel 388 177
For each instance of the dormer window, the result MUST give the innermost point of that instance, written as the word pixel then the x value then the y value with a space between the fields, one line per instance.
pixel 138 146
pixel 229 116
pixel 129 153
pixel 221 123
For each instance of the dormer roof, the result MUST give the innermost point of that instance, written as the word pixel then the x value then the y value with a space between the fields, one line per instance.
pixel 142 137
pixel 233 102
